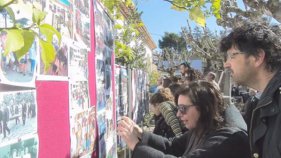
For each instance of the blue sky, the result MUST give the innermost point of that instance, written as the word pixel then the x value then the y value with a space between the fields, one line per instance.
pixel 158 17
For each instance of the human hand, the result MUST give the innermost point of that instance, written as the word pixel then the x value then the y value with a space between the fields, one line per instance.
pixel 129 131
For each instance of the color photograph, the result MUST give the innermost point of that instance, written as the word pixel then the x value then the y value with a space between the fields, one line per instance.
pixel 79 96
pixel 18 71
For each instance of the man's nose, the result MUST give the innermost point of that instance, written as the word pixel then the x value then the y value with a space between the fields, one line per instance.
pixel 226 64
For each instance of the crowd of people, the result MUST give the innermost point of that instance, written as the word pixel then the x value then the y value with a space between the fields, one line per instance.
pixel 19 111
pixel 252 56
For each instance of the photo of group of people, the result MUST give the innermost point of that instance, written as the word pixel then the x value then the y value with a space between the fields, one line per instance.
pixel 14 70
pixel 105 108
pixel 121 84
pixel 21 148
pixel 139 102
pixel 18 115
pixel 82 25
pixel 60 16
pixel 79 95
pixel 82 133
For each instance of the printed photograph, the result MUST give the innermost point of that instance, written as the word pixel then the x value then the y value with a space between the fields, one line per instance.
pixel 92 128
pixel 82 29
pixel 60 16
pixel 78 63
pixel 59 67
pixel 19 115
pixel 79 96
pixel 83 6
pixel 21 148
pixel 17 71
pixel 80 136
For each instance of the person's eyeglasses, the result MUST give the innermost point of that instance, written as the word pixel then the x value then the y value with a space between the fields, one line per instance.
pixel 183 108
pixel 232 55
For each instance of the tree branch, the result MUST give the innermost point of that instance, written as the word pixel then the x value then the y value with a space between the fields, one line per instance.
pixel 7 4
pixel 171 2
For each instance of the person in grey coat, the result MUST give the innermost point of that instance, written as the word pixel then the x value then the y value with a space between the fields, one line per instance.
pixel 201 108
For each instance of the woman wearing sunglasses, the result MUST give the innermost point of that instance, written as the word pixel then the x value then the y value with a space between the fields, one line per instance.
pixel 200 107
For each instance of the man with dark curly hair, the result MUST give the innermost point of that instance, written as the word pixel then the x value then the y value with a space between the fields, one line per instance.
pixel 253 56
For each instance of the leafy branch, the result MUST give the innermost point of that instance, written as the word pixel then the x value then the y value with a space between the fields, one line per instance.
pixel 128 49
pixel 20 38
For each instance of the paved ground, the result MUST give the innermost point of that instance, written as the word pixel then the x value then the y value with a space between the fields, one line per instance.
pixel 14 76
pixel 19 130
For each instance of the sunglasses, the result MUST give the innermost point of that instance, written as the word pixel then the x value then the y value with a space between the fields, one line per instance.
pixel 183 108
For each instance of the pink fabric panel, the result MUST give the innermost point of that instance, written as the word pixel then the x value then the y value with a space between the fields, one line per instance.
pixel 53 119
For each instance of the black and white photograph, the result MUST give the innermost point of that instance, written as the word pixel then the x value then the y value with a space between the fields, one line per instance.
pixel 19 115
pixel 21 148
pixel 78 63
pixel 60 16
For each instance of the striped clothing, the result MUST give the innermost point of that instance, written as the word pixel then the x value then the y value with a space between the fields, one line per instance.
pixel 168 111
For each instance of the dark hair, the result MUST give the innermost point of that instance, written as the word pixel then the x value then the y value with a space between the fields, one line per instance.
pixel 186 64
pixel 254 36
pixel 164 94
pixel 174 79
pixel 209 101
pixel 166 82
pixel 174 87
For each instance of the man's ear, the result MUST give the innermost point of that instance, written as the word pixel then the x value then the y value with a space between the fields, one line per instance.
pixel 260 58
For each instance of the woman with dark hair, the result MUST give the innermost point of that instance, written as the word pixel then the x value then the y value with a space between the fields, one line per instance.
pixel 201 108
pixel 166 82
pixel 166 122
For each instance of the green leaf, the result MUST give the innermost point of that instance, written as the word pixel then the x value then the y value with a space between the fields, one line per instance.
pixel 216 7
pixel 140 24
pixel 201 2
pixel 14 41
pixel 11 14
pixel 38 16
pixel 3 3
pixel 48 54
pixel 28 41
pixel 174 7
pixel 198 16
pixel 48 31
pixel 118 26
pixel 128 3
